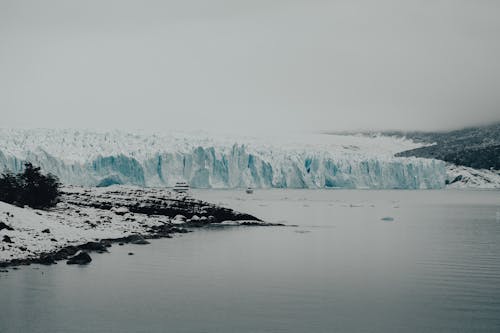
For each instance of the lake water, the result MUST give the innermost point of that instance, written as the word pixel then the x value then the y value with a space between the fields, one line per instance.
pixel 434 268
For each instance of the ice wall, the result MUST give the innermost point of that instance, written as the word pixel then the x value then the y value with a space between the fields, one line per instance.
pixel 237 166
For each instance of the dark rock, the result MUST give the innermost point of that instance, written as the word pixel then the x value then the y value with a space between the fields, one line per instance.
pixel 163 207
pixel 92 225
pixel 121 244
pixel 5 226
pixel 81 258
pixel 163 231
pixel 261 224
pixel 137 239
pixel 457 179
pixel 179 230
pixel 65 252
pixel 94 246
pixel 7 239
pixel 53 240
pixel 196 224
pixel 46 231
pixel 46 259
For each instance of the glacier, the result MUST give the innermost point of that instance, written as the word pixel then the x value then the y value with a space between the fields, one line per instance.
pixel 92 158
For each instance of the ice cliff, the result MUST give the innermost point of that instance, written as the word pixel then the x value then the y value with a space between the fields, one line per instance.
pixel 150 159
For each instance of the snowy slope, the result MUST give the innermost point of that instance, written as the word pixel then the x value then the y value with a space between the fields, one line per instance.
pixel 71 224
pixel 26 224
pixel 464 177
pixel 94 214
pixel 207 161
pixel 66 226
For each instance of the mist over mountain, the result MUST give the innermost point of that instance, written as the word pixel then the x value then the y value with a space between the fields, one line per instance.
pixel 473 146
pixel 476 147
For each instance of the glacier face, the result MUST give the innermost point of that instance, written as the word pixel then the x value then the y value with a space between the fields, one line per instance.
pixel 151 159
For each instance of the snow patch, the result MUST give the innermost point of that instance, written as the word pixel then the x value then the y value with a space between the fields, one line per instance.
pixel 461 177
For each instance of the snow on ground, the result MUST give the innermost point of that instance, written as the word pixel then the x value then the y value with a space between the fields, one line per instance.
pixel 93 214
pixel 67 224
pixel 460 177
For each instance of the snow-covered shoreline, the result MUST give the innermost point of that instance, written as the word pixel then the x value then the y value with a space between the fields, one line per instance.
pixel 100 215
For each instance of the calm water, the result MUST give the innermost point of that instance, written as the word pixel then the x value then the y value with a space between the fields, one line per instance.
pixel 434 268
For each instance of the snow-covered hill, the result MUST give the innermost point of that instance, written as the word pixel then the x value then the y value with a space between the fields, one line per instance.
pixel 206 161
pixel 102 216
pixel 474 147
pixel 462 177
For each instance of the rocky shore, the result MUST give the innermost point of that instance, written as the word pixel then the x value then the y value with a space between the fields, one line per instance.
pixel 90 220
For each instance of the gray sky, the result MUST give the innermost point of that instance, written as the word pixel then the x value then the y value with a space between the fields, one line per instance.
pixel 249 64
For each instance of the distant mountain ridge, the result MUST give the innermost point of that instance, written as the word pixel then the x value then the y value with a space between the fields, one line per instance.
pixel 475 147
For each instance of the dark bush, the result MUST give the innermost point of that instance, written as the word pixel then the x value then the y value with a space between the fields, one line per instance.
pixel 30 187
pixel 9 188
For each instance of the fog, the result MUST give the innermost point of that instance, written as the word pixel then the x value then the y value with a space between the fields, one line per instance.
pixel 249 66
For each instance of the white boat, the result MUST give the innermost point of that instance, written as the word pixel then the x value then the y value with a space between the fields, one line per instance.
pixel 181 187
pixel 249 190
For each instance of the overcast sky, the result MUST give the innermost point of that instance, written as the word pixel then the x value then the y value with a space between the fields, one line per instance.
pixel 249 64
